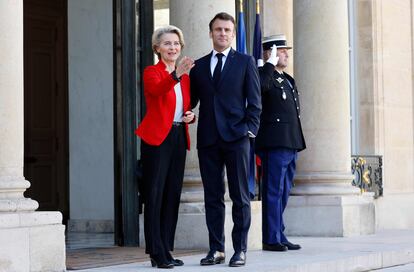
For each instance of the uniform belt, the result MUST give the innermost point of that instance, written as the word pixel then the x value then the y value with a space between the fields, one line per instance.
pixel 177 124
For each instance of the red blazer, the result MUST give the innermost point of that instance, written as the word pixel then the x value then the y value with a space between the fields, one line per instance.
pixel 160 98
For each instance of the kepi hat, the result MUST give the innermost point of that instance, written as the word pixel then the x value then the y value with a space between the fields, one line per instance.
pixel 279 40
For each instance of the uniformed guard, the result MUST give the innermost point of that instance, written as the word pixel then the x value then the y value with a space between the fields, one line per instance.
pixel 279 139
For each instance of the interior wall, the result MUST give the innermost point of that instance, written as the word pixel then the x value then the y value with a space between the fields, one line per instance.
pixel 90 53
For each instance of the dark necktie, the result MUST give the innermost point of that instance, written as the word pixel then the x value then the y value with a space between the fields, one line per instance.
pixel 217 70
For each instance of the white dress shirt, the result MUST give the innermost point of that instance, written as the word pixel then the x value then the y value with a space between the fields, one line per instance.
pixel 214 59
pixel 179 108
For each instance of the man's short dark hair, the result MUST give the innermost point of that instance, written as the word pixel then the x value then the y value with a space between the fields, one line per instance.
pixel 222 16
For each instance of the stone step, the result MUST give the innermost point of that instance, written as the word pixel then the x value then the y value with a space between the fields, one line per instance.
pixel 398 268
pixel 351 254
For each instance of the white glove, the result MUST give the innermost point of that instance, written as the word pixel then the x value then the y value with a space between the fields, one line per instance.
pixel 273 56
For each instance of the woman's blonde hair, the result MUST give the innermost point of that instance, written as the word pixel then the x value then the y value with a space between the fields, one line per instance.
pixel 156 36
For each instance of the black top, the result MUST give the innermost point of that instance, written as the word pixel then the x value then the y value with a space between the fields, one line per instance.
pixel 280 124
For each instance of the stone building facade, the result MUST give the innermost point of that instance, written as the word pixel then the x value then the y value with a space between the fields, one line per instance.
pixel 353 64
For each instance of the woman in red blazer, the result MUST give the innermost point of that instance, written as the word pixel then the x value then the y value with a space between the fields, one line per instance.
pixel 165 138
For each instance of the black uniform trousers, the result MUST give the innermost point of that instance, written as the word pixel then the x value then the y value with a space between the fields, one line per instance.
pixel 163 172
pixel 235 156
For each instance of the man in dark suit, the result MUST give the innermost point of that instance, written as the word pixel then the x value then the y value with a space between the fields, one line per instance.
pixel 226 83
pixel 279 139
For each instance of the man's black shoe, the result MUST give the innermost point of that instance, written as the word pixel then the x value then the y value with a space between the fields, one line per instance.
pixel 213 257
pixel 238 259
pixel 291 246
pixel 274 247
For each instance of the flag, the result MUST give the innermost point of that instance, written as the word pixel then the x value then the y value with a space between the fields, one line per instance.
pixel 251 177
pixel 241 32
pixel 242 48
pixel 258 56
pixel 257 39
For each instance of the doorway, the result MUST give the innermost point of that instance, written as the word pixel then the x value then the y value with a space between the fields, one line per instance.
pixel 46 104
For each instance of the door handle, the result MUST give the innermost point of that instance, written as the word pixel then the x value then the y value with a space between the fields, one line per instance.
pixel 30 159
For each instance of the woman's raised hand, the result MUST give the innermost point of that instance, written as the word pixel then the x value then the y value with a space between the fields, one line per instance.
pixel 184 66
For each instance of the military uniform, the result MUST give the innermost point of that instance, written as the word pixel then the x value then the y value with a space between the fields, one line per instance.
pixel 279 139
pixel 280 119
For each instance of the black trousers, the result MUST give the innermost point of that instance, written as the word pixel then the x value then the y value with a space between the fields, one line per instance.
pixel 235 156
pixel 163 172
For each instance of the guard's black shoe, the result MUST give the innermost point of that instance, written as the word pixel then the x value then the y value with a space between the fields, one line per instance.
pixel 238 259
pixel 213 257
pixel 274 247
pixel 291 246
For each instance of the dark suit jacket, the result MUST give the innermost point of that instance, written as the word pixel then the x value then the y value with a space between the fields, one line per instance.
pixel 280 124
pixel 234 108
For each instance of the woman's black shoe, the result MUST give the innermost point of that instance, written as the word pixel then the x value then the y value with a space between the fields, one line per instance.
pixel 154 263
pixel 177 262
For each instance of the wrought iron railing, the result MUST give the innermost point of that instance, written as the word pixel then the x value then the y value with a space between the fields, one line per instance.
pixel 368 173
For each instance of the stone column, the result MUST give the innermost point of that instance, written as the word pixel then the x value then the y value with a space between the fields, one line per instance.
pixel 193 17
pixel 325 203
pixel 277 19
pixel 29 241
pixel 12 182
